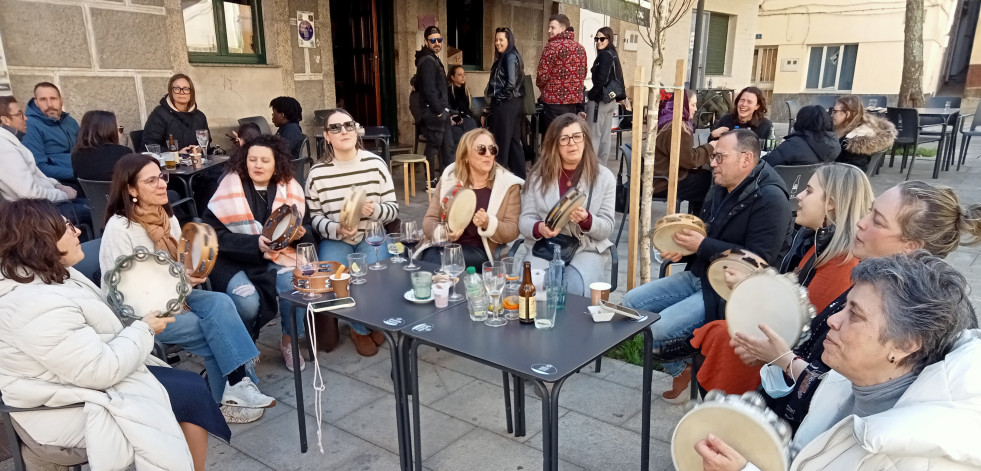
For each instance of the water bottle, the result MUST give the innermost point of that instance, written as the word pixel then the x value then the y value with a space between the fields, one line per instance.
pixel 771 141
pixel 556 277
pixel 476 296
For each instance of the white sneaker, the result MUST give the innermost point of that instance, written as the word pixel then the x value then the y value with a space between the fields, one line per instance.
pixel 241 415
pixel 245 394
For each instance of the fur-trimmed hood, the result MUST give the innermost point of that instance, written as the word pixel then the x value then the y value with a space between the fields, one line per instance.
pixel 873 135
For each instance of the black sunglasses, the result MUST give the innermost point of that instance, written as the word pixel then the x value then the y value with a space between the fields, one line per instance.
pixel 483 150
pixel 599 38
pixel 348 126
pixel 435 40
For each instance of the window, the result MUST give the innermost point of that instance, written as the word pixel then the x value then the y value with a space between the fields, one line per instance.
pixel 831 67
pixel 224 31
pixel 716 42
pixel 465 31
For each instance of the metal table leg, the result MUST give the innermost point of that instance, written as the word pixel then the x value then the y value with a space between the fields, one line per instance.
pixel 940 150
pixel 519 406
pixel 553 424
pixel 645 414
pixel 401 400
pixel 547 418
pixel 416 427
pixel 298 383
pixel 507 402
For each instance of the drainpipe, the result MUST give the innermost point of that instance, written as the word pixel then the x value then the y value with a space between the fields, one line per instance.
pixel 693 77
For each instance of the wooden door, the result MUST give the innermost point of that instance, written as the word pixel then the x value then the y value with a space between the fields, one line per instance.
pixel 356 69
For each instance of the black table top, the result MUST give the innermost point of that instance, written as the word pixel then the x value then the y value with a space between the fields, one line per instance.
pixel 545 354
pixel 379 303
pixel 213 160
pixel 937 111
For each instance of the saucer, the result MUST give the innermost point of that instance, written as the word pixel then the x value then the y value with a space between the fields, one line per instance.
pixel 410 297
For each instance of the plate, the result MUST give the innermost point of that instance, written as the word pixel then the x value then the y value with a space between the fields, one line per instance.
pixel 410 297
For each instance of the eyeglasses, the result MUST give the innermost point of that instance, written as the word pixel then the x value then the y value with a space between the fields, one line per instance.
pixel 835 110
pixel 483 150
pixel 153 181
pixel 717 157
pixel 71 227
pixel 599 38
pixel 349 126
pixel 436 40
pixel 181 90
pixel 575 138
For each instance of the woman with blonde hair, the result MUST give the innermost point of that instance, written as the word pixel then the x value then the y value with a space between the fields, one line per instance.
pixel 860 134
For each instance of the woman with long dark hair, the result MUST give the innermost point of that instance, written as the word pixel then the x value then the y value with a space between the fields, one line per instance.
pixel 749 112
pixel 600 107
pixel 97 149
pixel 812 141
pixel 504 102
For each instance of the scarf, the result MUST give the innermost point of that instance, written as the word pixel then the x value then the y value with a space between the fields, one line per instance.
pixel 156 222
pixel 231 207
pixel 667 113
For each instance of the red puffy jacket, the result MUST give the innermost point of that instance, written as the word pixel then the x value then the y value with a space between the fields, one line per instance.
pixel 562 70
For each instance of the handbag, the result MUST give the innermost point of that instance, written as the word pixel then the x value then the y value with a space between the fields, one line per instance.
pixel 568 245
pixel 622 192
pixel 614 88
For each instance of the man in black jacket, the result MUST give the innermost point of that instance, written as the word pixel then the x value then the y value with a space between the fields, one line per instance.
pixel 430 82
pixel 286 115
pixel 747 208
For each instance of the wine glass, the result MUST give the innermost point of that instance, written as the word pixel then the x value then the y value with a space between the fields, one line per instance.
pixel 411 235
pixel 494 277
pixel 375 235
pixel 513 283
pixel 306 262
pixel 441 234
pixel 356 266
pixel 395 247
pixel 453 265
pixel 203 139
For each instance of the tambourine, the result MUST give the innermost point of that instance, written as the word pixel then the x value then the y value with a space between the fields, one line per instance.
pixel 283 226
pixel 772 299
pixel 145 282
pixel 459 207
pixel 741 261
pixel 743 422
pixel 198 248
pixel 351 208
pixel 665 228
pixel 317 278
pixel 558 216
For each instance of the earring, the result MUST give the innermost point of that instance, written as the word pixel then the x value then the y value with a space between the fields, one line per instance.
pixel 892 359
pixel 134 199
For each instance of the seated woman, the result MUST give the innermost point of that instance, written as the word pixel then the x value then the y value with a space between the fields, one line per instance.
pixel 694 179
pixel 568 161
pixel 97 149
pixel 904 393
pixel 812 141
pixel 138 214
pixel 346 165
pixel 177 115
pixel 259 180
pixel 830 206
pixel 245 133
pixel 62 344
pixel 749 112
pixel 459 95
pixel 908 216
pixel 861 134
pixel 498 201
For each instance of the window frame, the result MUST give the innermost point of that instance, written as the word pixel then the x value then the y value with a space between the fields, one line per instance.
pixel 221 37
pixel 704 50
pixel 824 60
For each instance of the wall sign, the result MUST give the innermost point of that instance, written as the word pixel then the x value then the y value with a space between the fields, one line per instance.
pixel 305 33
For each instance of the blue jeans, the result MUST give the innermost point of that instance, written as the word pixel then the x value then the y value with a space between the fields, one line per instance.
pixel 213 330
pixel 248 306
pixel 338 250
pixel 678 298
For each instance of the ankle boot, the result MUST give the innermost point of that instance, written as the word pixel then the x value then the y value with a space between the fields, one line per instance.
pixel 679 393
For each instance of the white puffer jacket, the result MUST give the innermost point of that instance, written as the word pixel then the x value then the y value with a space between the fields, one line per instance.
pixel 61 344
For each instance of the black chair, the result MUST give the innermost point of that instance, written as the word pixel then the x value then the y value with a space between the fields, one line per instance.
pixel 907 122
pixel 136 139
pixel 301 169
pixel 934 126
pixel 89 266
pixel 966 135
pixel 21 443
pixel 320 117
pixel 793 106
pixel 796 177
pixel 825 101
pixel 875 163
pixel 258 121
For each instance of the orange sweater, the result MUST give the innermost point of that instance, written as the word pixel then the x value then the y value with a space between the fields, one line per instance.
pixel 722 368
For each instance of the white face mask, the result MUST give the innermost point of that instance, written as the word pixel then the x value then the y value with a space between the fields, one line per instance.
pixel 773 381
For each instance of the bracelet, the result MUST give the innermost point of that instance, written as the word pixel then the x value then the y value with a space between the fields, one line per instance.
pixel 152 333
pixel 790 367
pixel 788 352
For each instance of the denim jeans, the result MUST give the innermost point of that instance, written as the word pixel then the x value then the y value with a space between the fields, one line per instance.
pixel 213 330
pixel 338 250
pixel 678 298
pixel 248 306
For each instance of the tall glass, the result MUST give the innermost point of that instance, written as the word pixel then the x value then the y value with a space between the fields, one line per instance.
pixel 453 265
pixel 356 266
pixel 203 138
pixel 441 234
pixel 306 262
pixel 375 236
pixel 411 236
pixel 395 247
pixel 510 301
pixel 494 277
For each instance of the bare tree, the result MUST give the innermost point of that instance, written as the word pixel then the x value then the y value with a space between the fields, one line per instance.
pixel 911 87
pixel 664 15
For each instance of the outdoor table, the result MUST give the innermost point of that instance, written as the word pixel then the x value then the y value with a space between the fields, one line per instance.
pixel 944 114
pixel 379 304
pixel 545 357
pixel 186 173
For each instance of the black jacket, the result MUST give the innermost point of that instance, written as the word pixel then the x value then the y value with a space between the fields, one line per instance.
pixel 805 149
pixel 431 82
pixel 505 78
pixel 755 216
pixel 165 121
pixel 728 120
pixel 460 99
pixel 605 68
pixel 293 136
pixel 97 163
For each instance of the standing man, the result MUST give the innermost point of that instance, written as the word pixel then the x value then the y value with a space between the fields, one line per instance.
pixel 51 133
pixel 561 72
pixel 434 101
pixel 12 117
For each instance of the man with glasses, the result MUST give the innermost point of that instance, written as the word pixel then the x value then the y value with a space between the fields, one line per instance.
pixel 51 133
pixel 748 208
pixel 12 117
pixel 561 72
pixel 434 101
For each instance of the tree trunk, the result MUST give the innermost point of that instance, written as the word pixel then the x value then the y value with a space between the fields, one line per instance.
pixel 911 88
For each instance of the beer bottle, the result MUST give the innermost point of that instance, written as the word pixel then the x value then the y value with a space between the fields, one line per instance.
pixel 172 144
pixel 526 298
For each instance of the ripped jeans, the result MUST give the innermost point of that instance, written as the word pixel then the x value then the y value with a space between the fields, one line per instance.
pixel 248 305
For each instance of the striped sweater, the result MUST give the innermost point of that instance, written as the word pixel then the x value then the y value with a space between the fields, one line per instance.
pixel 330 182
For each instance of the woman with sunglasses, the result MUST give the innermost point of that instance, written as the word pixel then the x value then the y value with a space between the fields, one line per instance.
pixel 138 215
pixel 346 165
pixel 860 134
pixel 177 116
pixel 505 106
pixel 600 107
pixel 568 161
pixel 498 201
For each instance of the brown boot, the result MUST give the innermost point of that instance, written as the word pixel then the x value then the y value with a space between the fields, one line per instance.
pixel 363 344
pixel 679 393
pixel 377 337
pixel 327 333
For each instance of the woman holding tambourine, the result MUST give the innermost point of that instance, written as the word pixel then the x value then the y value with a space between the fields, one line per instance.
pixel 569 162
pixel 496 193
pixel 139 215
pixel 250 268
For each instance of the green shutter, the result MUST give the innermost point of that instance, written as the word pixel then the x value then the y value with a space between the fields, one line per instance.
pixel 718 39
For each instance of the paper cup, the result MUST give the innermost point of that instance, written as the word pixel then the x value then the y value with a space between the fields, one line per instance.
pixel 599 292
pixel 341 285
pixel 441 291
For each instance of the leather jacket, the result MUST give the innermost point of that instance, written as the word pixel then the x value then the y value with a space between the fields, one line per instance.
pixel 505 78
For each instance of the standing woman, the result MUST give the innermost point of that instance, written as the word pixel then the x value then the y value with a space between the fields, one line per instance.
pixel 749 113
pixel 97 149
pixel 568 161
pixel 346 165
pixel 861 134
pixel 504 103
pixel 606 71
pixel 177 115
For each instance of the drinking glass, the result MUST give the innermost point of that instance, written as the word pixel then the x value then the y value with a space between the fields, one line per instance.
pixel 411 235
pixel 494 277
pixel 510 301
pixel 441 234
pixel 306 262
pixel 356 265
pixel 873 103
pixel 395 247
pixel 153 149
pixel 203 139
pixel 453 265
pixel 375 236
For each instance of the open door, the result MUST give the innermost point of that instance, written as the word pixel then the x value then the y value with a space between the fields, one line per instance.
pixel 356 63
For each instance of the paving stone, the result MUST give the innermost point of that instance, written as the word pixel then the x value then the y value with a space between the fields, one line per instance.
pixel 603 400
pixel 376 459
pixel 483 450
pixel 224 457
pixel 277 445
pixel 482 404
pixel 342 395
